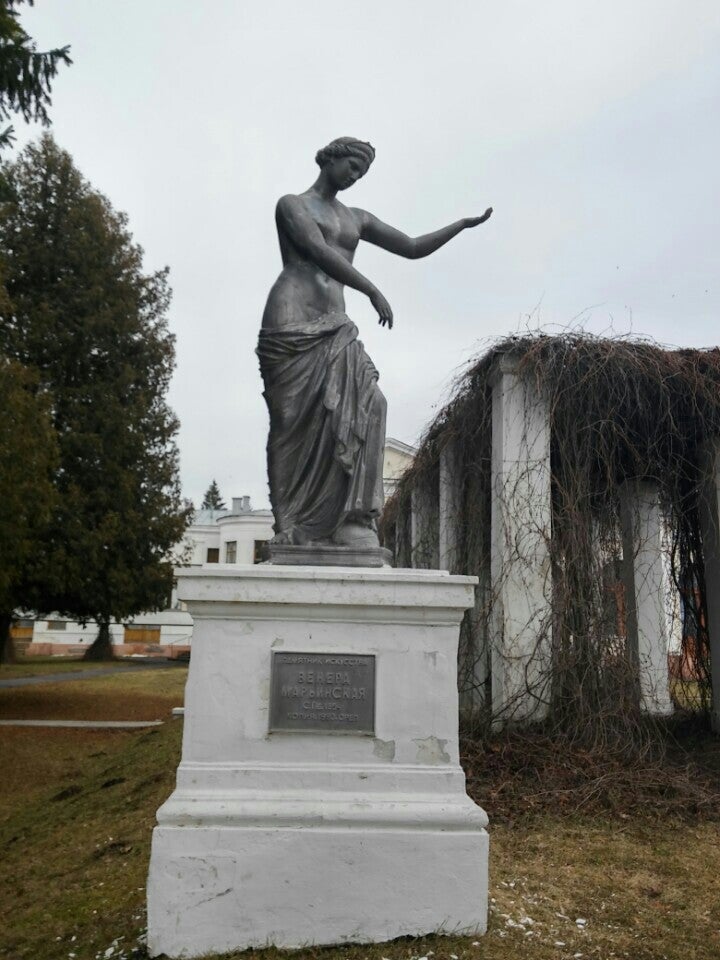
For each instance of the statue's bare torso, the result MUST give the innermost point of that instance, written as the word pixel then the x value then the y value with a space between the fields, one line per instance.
pixel 304 292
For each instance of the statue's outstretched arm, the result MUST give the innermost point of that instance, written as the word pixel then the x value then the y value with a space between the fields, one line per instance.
pixel 302 230
pixel 387 237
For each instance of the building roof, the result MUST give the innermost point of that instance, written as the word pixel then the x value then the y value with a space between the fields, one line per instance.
pixel 400 446
pixel 210 518
pixel 201 517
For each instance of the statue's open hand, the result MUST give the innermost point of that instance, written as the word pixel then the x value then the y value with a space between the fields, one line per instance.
pixel 474 221
pixel 383 308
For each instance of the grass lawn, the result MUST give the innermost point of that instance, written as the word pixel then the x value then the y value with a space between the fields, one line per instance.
pixel 77 810
pixel 37 666
pixel 129 695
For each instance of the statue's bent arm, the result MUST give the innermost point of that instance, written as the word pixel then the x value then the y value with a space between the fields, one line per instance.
pixel 383 235
pixel 301 229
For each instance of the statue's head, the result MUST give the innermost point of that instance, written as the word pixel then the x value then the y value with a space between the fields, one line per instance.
pixel 345 160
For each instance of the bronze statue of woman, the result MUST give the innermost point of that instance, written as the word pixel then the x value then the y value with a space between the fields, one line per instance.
pixel 327 414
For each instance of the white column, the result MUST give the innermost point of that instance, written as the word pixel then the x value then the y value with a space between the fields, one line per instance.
pixel 449 497
pixel 710 521
pixel 521 584
pixel 673 605
pixel 646 590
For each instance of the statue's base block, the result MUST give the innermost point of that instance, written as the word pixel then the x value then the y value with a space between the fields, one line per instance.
pixel 231 888
pixel 305 837
pixel 315 555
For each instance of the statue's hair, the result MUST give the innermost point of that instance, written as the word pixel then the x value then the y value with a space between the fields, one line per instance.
pixel 345 147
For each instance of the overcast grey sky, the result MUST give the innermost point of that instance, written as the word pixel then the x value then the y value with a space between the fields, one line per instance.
pixel 591 126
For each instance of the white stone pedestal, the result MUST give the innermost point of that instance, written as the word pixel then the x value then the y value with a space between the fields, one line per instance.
pixel 311 838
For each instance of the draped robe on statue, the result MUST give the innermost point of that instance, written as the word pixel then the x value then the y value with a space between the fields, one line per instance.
pixel 327 428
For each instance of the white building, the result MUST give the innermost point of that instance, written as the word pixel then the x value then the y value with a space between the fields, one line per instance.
pixel 396 459
pixel 237 535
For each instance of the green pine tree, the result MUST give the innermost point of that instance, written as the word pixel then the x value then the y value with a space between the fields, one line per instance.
pixel 212 499
pixel 25 75
pixel 84 315
pixel 28 458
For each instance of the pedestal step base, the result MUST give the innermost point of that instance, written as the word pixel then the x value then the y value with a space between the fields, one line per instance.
pixel 215 889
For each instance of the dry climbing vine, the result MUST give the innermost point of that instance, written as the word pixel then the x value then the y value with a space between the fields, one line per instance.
pixel 620 410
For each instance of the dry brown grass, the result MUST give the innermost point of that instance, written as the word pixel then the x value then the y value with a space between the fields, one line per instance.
pixel 641 888
pixel 75 833
pixel 32 759
pixel 129 695
pixel 74 855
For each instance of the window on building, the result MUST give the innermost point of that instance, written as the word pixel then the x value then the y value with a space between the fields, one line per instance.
pixel 260 553
pixel 141 633
pixel 57 624
pixel 231 551
pixel 213 555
